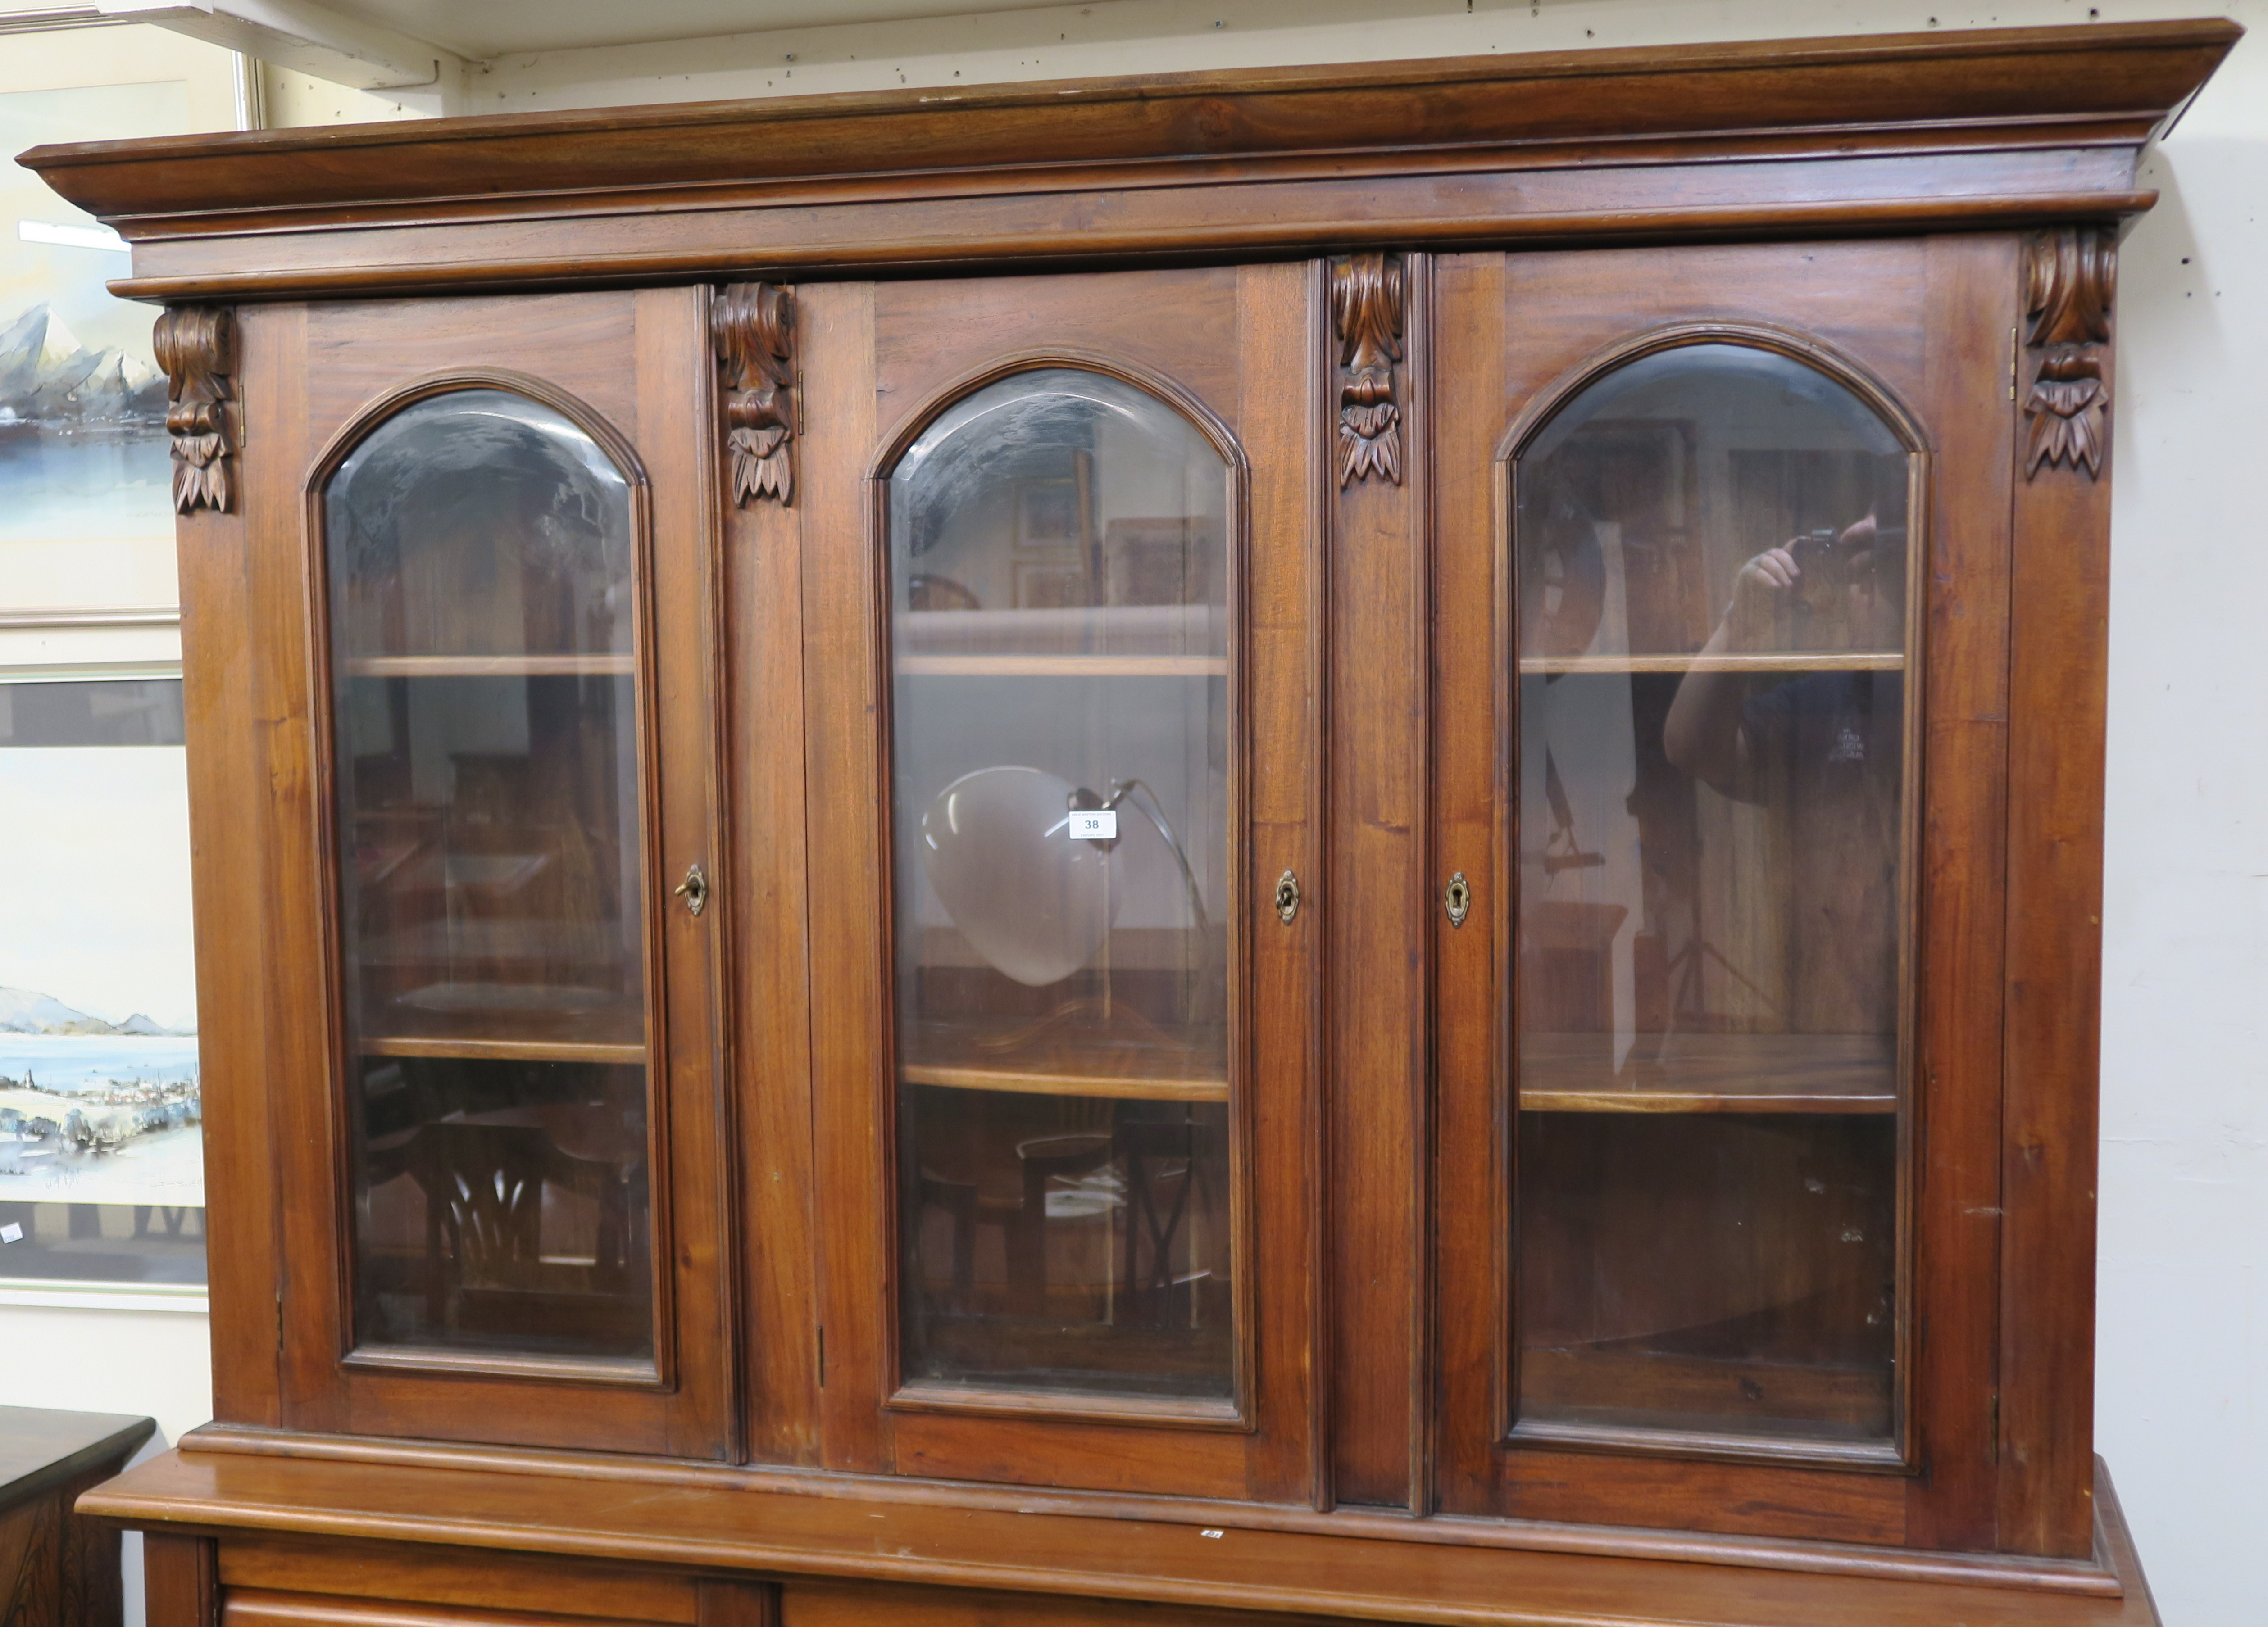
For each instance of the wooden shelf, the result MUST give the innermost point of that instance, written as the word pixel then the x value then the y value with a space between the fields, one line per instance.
pixel 1061 667
pixel 1767 661
pixel 500 1051
pixel 1120 1089
pixel 1709 1073
pixel 608 665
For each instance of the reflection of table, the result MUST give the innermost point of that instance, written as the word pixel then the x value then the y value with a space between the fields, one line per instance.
pixel 1086 1174
pixel 57 1569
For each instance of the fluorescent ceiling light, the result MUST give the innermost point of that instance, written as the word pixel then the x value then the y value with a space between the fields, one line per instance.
pixel 72 237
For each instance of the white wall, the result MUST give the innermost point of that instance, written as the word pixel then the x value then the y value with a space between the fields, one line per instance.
pixel 2182 1347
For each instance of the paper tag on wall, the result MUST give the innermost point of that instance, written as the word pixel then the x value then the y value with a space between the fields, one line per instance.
pixel 1094 824
pixel 12 1232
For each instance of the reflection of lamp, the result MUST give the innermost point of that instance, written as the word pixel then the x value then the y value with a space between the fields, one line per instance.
pixel 1032 898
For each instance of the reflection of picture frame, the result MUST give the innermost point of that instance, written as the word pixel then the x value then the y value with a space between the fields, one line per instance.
pixel 1050 585
pixel 1047 514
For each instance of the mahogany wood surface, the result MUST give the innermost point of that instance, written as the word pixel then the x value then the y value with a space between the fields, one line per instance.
pixel 1873 302
pixel 1167 1558
pixel 1239 345
pixel 479 1580
pixel 1378 895
pixel 1955 128
pixel 2060 591
pixel 1364 284
pixel 640 361
pixel 2128 75
pixel 181 1579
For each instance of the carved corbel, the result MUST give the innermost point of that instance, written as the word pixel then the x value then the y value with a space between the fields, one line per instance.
pixel 749 324
pixel 1366 298
pixel 2070 276
pixel 197 346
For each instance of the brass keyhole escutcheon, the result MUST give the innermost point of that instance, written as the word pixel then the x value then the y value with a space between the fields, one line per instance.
pixel 1458 897
pixel 1287 897
pixel 694 889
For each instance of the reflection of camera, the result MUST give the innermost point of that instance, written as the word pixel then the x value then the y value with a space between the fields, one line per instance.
pixel 1819 546
pixel 1825 545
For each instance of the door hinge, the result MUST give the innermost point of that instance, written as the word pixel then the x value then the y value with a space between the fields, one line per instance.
pixel 823 1358
pixel 1994 1453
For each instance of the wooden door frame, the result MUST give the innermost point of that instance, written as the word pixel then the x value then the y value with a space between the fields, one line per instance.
pixel 684 1406
pixel 1946 1350
pixel 1262 1447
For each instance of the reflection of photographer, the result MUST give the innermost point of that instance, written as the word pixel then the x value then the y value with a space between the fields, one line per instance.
pixel 1829 590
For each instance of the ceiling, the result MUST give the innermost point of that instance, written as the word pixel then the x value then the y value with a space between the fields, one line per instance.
pixel 480 29
pixel 410 44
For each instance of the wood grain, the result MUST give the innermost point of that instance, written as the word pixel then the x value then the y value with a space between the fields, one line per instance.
pixel 2125 76
pixel 2059 592
pixel 229 881
pixel 412 1574
pixel 768 1462
pixel 1377 893
pixel 181 1580
pixel 766 898
pixel 1167 1560
pixel 1965 726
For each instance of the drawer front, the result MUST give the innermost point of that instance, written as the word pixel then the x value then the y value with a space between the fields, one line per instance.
pixel 273 1582
pixel 859 1604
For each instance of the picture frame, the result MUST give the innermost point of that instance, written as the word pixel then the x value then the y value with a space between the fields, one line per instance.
pixel 101 1178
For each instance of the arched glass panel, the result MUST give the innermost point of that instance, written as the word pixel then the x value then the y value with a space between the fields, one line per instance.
pixel 1059 575
pixel 1714 861
pixel 480 548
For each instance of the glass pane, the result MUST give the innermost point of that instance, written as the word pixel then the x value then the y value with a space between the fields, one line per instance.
pixel 1712 560
pixel 1059 579
pixel 479 550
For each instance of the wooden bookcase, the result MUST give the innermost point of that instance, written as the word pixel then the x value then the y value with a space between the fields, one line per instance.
pixel 1272 846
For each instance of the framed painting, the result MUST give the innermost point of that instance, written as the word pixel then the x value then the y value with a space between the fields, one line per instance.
pixel 102 1167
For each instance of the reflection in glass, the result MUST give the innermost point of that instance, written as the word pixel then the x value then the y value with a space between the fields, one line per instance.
pixel 1059 581
pixel 480 552
pixel 1711 559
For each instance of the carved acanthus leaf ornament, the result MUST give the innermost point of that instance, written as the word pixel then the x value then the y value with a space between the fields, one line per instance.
pixel 1367 300
pixel 197 346
pixel 2070 276
pixel 749 324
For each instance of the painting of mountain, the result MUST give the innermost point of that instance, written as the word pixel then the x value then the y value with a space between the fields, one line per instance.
pixel 85 468
pixel 46 376
pixel 96 1111
pixel 25 1012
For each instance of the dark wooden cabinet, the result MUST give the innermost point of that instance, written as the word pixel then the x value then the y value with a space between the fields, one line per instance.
pixel 60 1569
pixel 1311 844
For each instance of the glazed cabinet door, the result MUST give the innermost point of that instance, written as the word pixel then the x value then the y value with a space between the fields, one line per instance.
pixel 1721 653
pixel 1059 587
pixel 493 1048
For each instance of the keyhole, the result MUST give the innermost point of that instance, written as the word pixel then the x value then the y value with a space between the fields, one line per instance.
pixel 1458 896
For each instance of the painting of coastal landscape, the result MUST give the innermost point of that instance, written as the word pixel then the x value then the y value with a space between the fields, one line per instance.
pixel 101 1153
pixel 94 1112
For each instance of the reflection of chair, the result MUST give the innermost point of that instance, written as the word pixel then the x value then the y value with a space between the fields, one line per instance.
pixel 1154 1151
pixel 484 1186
